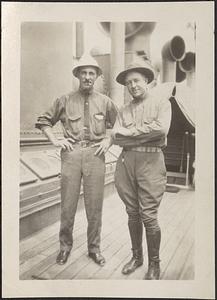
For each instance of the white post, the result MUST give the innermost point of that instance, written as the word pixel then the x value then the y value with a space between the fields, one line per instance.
pixel 79 39
pixel 117 61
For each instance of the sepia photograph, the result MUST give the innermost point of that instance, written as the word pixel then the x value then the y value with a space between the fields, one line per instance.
pixel 109 149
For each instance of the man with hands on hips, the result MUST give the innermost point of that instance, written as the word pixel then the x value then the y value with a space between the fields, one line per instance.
pixel 84 116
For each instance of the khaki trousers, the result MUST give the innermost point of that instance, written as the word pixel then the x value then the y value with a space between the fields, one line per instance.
pixel 140 179
pixel 75 165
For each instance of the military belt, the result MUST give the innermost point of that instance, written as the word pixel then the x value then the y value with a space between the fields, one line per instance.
pixel 143 149
pixel 86 143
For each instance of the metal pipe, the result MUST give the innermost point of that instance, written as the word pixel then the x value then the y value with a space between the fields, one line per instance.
pixel 141 39
pixel 180 75
pixel 187 65
pixel 79 39
pixel 137 35
pixel 117 62
pixel 172 51
pixel 187 158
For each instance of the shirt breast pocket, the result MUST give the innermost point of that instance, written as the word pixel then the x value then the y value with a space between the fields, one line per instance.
pixel 99 123
pixel 74 122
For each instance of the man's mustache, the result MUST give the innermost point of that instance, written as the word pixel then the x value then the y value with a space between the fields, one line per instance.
pixel 87 81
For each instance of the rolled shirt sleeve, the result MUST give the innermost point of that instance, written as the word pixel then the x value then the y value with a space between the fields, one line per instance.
pixel 52 115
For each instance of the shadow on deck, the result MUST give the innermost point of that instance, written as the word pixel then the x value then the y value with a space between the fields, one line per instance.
pixel 176 217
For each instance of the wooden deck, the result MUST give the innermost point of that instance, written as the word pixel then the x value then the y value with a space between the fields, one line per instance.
pixel 176 216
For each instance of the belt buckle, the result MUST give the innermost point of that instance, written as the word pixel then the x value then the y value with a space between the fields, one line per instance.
pixel 84 144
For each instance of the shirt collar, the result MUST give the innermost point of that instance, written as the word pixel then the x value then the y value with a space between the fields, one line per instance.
pixel 85 93
pixel 137 101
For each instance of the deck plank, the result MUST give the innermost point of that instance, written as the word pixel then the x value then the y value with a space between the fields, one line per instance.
pixel 37 238
pixel 79 248
pixel 173 270
pixel 113 243
pixel 175 241
pixel 108 237
pixel 28 254
pixel 41 236
pixel 42 248
pixel 169 223
pixel 188 268
pixel 80 238
pixel 107 250
pixel 176 218
pixel 38 267
pixel 113 262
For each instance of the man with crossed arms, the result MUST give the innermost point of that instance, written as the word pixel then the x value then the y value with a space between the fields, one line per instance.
pixel 141 129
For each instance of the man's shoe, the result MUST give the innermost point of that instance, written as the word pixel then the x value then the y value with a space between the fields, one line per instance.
pixel 153 271
pixel 135 262
pixel 97 258
pixel 131 266
pixel 62 257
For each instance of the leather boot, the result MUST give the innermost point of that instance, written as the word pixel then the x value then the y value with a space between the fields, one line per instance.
pixel 135 226
pixel 153 243
pixel 135 262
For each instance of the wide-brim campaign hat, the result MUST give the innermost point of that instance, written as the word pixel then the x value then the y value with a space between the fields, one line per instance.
pixel 86 61
pixel 143 67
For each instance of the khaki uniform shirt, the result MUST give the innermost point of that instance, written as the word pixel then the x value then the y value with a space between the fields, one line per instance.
pixel 148 120
pixel 83 116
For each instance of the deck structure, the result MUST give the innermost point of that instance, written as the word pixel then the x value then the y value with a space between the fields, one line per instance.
pixel 176 217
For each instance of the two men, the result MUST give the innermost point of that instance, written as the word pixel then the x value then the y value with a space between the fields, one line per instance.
pixel 84 115
pixel 140 178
